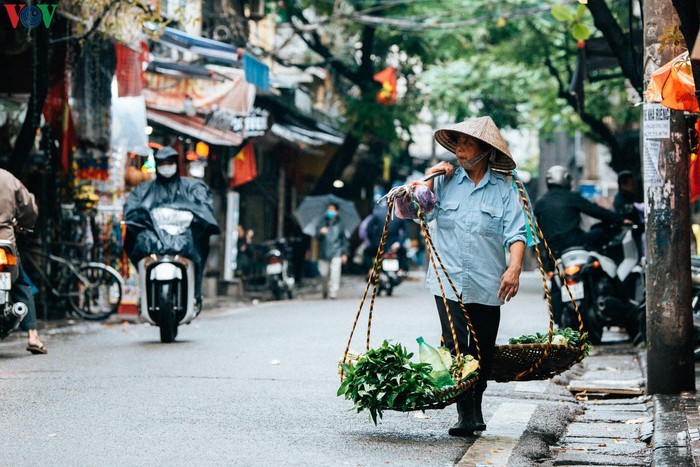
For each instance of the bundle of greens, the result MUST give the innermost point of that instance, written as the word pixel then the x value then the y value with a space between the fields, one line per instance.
pixel 566 336
pixel 385 378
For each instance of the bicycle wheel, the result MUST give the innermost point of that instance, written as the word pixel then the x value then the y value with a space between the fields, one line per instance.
pixel 97 292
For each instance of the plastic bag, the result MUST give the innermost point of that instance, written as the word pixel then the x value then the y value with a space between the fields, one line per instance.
pixel 404 207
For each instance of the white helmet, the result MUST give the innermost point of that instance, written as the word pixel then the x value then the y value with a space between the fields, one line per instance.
pixel 558 176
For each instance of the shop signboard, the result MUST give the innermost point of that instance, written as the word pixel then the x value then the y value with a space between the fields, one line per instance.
pixel 253 123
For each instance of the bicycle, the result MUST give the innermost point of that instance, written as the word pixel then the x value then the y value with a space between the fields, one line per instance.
pixel 93 289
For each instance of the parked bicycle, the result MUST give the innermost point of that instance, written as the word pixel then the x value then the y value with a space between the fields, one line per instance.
pixel 92 289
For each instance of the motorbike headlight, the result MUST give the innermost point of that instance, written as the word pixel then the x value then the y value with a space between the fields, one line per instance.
pixel 571 270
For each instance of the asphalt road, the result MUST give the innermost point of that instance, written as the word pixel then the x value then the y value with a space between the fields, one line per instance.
pixel 251 385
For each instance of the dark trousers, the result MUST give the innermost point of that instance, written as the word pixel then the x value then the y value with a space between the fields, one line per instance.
pixel 22 292
pixel 485 320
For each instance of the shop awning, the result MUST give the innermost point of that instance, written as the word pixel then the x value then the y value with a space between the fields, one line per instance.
pixel 304 136
pixel 200 45
pixel 195 127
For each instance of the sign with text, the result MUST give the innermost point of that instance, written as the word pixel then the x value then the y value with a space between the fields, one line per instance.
pixel 254 123
pixel 656 122
pixel 652 176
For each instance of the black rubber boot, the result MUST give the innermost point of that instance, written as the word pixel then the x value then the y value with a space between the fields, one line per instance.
pixel 479 424
pixel 465 425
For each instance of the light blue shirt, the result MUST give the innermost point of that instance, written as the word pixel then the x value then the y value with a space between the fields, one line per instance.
pixel 472 227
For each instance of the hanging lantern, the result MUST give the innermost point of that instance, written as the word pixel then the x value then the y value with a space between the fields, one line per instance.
pixel 202 150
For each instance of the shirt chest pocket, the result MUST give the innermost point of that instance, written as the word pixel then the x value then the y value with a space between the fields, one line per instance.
pixel 490 220
pixel 447 215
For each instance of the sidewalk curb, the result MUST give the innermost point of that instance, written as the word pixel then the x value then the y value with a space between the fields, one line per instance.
pixel 669 449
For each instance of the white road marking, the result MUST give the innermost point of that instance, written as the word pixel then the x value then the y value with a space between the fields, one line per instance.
pixel 531 386
pixel 494 446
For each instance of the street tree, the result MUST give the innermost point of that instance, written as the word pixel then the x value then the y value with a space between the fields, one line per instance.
pixel 514 61
pixel 345 37
pixel 523 66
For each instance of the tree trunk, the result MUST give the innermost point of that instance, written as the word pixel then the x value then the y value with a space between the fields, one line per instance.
pixel 670 362
pixel 341 159
pixel 620 43
pixel 343 156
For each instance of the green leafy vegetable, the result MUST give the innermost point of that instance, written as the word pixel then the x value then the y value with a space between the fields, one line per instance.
pixel 566 336
pixel 385 378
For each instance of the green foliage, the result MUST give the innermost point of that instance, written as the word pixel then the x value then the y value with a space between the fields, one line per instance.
pixel 385 378
pixel 568 336
pixel 672 38
pixel 512 60
pixel 574 19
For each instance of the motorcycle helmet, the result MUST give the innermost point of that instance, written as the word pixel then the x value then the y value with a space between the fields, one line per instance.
pixel 166 153
pixel 558 176
pixel 166 163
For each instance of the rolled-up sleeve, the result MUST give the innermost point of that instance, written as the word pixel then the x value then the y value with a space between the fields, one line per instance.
pixel 513 220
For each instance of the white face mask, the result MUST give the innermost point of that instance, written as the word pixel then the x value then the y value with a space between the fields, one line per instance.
pixel 166 171
pixel 471 163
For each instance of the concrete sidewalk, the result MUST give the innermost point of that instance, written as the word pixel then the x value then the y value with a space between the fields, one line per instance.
pixel 617 427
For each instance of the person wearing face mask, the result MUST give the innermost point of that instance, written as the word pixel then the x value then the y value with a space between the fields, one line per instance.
pixel 333 250
pixel 171 190
pixel 476 221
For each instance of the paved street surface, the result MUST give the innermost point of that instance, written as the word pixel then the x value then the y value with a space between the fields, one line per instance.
pixel 256 384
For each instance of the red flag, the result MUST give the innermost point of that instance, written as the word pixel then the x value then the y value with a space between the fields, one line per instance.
pixel 244 168
pixel 387 77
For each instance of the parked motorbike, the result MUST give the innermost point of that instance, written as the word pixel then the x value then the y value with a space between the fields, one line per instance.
pixel 695 278
pixel 607 284
pixel 278 269
pixel 12 313
pixel 167 281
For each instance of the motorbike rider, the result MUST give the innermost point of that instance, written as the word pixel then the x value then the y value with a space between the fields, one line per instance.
pixel 170 189
pixel 626 196
pixel 396 236
pixel 18 209
pixel 558 213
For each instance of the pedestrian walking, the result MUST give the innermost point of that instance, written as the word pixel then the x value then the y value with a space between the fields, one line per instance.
pixel 18 209
pixel 477 219
pixel 333 250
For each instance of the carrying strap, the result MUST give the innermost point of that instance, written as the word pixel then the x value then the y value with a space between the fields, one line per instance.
pixel 533 226
pixel 435 260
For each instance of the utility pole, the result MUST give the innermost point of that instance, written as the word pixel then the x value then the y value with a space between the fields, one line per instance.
pixel 666 152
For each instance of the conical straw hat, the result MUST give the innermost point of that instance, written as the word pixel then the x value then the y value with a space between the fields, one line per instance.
pixel 481 128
